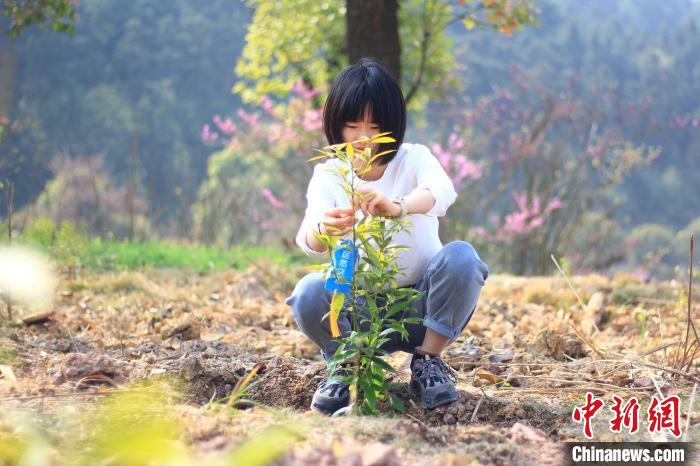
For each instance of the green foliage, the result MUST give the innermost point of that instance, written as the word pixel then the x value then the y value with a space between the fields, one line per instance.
pixel 60 14
pixel 373 283
pixel 263 449
pixel 107 255
pixel 649 246
pixel 291 40
pixel 262 154
pixel 143 74
pixel 229 199
pixel 64 242
pixel 138 425
pixel 69 247
pixel 83 193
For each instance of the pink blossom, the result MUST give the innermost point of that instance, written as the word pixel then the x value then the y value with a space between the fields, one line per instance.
pixel 279 132
pixel 207 135
pixel 527 219
pixel 312 120
pixel 555 203
pixel 466 169
pixel 442 155
pixel 225 126
pixel 454 142
pixel 520 200
pixel 266 225
pixel 457 165
pixel 250 118
pixel 303 91
pixel 274 202
pixel 501 93
pixel 266 105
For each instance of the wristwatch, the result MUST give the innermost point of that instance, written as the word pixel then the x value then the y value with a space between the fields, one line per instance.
pixel 401 203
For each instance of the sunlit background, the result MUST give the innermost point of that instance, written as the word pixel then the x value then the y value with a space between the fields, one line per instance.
pixel 191 121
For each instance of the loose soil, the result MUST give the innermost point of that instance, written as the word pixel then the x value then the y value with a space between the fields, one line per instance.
pixel 527 358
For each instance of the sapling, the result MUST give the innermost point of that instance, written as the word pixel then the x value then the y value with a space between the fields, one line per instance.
pixel 362 275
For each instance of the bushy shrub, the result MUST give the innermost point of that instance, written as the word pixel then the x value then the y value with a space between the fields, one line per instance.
pixel 83 193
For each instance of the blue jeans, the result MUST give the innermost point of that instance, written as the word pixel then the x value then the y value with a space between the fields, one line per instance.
pixel 451 286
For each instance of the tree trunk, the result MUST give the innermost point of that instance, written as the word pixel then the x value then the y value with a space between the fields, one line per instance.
pixel 373 31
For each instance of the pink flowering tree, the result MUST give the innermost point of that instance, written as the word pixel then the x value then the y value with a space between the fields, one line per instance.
pixel 254 191
pixel 534 171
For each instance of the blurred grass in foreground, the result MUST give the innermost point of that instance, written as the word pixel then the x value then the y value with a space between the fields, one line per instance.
pixel 70 248
pixel 139 425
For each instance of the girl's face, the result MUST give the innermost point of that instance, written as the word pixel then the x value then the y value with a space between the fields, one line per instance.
pixel 353 130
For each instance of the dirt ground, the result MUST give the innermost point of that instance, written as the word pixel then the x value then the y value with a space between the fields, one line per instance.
pixel 527 358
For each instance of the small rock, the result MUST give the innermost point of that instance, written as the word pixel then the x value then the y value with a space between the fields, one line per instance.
pixel 594 314
pixel 191 368
pixel 521 431
pixel 37 318
pixel 79 365
pixel 454 408
pixel 450 419
pixel 643 382
pixel 187 330
pixel 498 358
pixel 378 454
pixel 461 410
pixel 558 345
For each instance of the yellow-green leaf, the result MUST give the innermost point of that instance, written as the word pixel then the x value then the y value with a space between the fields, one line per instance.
pixel 383 140
pixel 336 305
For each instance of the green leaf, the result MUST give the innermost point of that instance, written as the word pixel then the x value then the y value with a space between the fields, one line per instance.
pixel 383 364
pixel 413 320
pixel 397 404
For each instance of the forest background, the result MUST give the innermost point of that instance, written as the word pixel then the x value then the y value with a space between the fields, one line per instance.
pixel 191 123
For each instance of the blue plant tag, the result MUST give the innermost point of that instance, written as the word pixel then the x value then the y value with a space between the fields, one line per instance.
pixel 343 263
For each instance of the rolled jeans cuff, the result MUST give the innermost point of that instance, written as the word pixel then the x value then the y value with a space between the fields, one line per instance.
pixel 442 329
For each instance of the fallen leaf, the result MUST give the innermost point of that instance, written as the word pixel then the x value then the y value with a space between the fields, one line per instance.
pixel 486 375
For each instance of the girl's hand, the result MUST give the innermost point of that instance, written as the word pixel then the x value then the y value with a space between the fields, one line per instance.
pixel 338 221
pixel 373 201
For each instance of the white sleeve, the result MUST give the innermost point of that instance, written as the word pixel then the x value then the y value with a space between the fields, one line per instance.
pixel 430 175
pixel 319 198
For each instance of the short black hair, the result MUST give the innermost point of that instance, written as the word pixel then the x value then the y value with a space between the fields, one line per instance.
pixel 366 84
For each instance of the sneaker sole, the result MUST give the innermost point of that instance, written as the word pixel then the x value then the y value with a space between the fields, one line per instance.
pixel 328 411
pixel 439 400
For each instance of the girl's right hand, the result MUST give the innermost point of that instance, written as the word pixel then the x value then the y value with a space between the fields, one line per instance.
pixel 338 221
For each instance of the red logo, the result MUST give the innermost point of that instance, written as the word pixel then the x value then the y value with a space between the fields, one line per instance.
pixel 662 414
pixel 665 414
pixel 587 412
pixel 625 416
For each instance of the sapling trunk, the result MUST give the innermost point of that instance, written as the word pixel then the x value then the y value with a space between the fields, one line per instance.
pixel 374 279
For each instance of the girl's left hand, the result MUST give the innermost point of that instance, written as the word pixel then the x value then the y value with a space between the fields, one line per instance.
pixel 373 201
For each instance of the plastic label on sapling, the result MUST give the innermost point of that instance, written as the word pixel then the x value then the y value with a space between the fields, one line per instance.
pixel 343 263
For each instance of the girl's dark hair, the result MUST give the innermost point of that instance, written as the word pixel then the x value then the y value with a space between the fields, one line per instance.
pixel 366 84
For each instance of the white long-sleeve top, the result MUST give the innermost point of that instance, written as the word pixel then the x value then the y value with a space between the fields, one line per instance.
pixel 413 167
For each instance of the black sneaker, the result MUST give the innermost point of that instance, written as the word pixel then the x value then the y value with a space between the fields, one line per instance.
pixel 332 393
pixel 433 380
